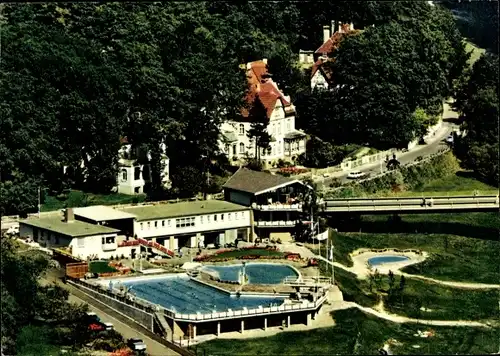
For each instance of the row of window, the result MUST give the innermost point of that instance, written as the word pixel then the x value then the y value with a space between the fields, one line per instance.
pixel 274 126
pixel 188 222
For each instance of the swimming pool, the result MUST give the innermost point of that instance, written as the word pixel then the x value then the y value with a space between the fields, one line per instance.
pixel 258 273
pixel 375 261
pixel 182 295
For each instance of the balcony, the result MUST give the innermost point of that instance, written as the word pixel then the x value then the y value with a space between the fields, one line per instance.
pixel 109 247
pixel 280 207
pixel 279 223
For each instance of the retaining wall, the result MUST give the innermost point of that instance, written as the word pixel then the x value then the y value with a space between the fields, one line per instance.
pixel 140 316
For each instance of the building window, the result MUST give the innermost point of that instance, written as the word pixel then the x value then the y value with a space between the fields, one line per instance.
pixel 221 217
pixel 279 148
pixel 242 129
pixel 124 175
pixel 242 147
pixel 163 223
pixel 201 219
pixel 142 226
pixel 149 225
pixel 279 128
pixel 288 125
pixel 108 240
pixel 169 223
pixel 234 149
pixel 156 224
pixel 208 218
pixel 81 242
pixel 215 217
pixel 184 222
pixel 229 216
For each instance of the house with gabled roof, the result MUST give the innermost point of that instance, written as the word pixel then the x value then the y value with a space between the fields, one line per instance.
pixel 321 75
pixel 287 142
pixel 274 199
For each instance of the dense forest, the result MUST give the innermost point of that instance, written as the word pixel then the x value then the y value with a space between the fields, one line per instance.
pixel 75 77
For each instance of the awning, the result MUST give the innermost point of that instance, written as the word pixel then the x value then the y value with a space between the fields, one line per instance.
pixel 294 135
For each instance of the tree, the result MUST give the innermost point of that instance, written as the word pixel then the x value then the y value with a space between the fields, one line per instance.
pixel 258 127
pixel 402 284
pixel 477 102
pixel 320 154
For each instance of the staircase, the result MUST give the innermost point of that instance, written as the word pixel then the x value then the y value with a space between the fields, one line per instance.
pixel 151 244
pixel 165 330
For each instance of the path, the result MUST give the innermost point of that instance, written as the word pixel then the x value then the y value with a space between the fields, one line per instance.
pixel 402 319
pixel 464 285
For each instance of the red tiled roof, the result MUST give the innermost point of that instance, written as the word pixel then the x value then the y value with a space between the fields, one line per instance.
pixel 262 89
pixel 325 70
pixel 334 41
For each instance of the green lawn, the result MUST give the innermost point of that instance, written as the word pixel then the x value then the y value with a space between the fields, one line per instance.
pixel 249 252
pixel 444 303
pixel 476 52
pixel 452 257
pixel 78 198
pixel 461 183
pixel 101 267
pixel 358 333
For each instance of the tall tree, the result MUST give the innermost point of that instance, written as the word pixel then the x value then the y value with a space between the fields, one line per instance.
pixel 477 102
pixel 258 127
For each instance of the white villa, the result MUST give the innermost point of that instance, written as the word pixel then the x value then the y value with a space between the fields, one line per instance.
pixel 287 142
pixel 134 173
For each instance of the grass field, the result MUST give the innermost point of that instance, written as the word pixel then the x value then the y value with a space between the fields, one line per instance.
pixel 78 198
pixel 356 333
pixel 101 267
pixel 476 52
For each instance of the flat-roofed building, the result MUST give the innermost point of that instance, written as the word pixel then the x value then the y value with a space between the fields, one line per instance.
pixel 191 224
pixel 81 239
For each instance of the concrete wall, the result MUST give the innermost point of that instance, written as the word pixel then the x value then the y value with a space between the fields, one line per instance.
pixel 140 316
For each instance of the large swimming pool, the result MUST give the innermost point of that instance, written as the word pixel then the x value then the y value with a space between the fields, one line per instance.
pixel 379 260
pixel 182 295
pixel 258 273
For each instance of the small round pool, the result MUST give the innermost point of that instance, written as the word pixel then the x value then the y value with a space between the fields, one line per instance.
pixel 380 260
pixel 258 273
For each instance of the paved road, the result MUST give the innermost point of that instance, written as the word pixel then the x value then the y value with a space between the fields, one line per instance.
pixel 436 144
pixel 154 348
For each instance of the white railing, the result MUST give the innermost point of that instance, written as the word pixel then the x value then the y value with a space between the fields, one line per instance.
pixel 275 223
pixel 280 207
pixel 307 281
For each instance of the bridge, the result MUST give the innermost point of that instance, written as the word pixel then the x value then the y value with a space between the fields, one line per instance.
pixel 413 205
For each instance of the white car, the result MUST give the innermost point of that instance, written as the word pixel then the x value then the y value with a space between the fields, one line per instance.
pixel 13 230
pixel 449 139
pixel 356 175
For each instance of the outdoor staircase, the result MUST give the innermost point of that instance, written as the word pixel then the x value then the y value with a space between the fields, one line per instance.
pixel 163 326
pixel 151 244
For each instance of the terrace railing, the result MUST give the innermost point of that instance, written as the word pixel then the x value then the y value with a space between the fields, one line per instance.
pixel 280 207
pixel 290 223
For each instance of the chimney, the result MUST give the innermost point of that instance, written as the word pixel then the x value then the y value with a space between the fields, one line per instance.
pixel 326 33
pixel 69 215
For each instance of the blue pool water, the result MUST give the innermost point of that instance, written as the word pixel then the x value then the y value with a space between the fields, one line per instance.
pixel 375 261
pixel 182 295
pixel 258 273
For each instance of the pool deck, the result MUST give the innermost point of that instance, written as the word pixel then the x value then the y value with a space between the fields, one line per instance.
pixel 360 261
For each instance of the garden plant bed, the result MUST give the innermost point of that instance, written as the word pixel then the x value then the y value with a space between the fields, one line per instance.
pixel 243 253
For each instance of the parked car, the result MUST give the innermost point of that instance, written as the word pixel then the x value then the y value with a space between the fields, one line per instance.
pixel 96 324
pixel 356 175
pixel 137 345
pixel 13 230
pixel 449 139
